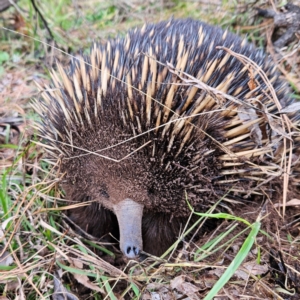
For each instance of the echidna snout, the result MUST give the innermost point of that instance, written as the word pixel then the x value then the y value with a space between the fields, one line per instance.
pixel 129 214
pixel 136 141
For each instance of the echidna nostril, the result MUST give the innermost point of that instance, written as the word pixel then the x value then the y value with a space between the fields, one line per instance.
pixel 132 251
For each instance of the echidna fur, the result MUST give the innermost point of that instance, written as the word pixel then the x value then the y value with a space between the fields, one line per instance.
pixel 128 130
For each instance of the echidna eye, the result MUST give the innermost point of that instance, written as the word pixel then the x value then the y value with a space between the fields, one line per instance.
pixel 104 194
pixel 151 191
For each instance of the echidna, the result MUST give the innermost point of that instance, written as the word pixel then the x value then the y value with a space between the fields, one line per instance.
pixel 137 136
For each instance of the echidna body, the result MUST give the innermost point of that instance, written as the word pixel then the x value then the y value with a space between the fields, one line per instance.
pixel 137 140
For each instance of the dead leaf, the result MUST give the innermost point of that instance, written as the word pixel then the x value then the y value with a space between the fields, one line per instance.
pixel 186 288
pixel 217 272
pixel 243 272
pixel 247 114
pixel 155 296
pixel 146 296
pixel 60 292
pixel 291 108
pixel 6 259
pixel 277 127
pixel 163 294
pixel 251 267
pixel 251 83
pixel 293 202
pixel 83 279
pixel 154 286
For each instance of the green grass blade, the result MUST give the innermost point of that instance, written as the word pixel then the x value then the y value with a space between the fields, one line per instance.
pixel 242 254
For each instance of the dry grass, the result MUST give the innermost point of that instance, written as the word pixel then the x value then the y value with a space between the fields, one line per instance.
pixel 35 237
